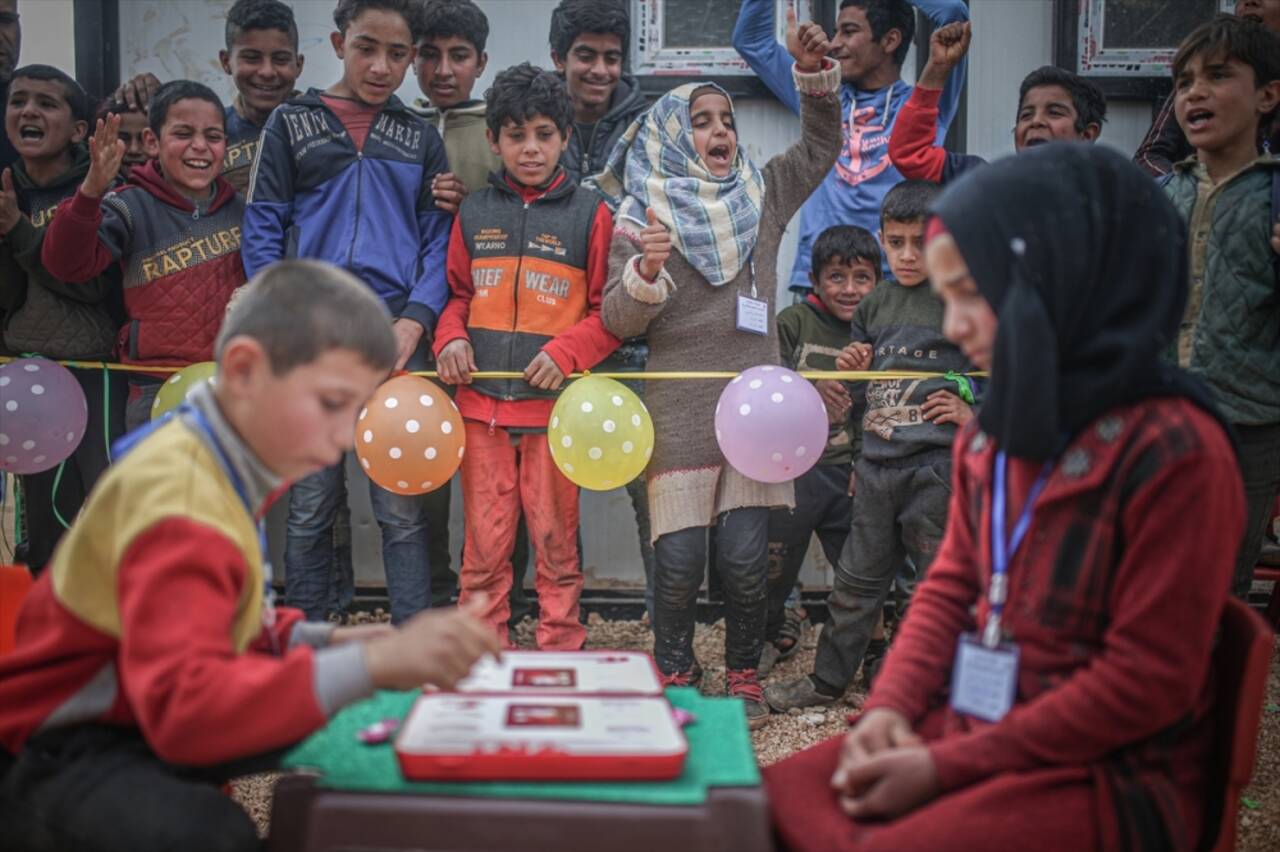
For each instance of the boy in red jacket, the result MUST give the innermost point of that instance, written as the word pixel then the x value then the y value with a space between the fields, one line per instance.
pixel 528 258
pixel 150 664
pixel 175 231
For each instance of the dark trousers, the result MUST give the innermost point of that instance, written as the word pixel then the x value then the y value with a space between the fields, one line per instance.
pixel 823 506
pixel 898 511
pixel 100 788
pixel 1260 468
pixel 680 563
pixel 78 473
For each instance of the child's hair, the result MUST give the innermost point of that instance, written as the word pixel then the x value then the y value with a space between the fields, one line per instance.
pixel 909 201
pixel 1228 37
pixel 845 244
pixel 81 106
pixel 885 15
pixel 1090 103
pixel 348 10
pixel 523 91
pixel 299 309
pixel 248 15
pixel 172 92
pixel 572 18
pixel 112 106
pixel 453 18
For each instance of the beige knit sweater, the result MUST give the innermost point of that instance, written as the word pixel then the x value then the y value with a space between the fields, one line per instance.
pixel 692 326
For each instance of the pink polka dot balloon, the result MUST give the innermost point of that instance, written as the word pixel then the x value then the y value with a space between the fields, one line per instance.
pixel 771 424
pixel 409 436
pixel 42 415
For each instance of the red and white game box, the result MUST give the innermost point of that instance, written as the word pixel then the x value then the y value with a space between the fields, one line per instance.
pixel 597 673
pixel 457 737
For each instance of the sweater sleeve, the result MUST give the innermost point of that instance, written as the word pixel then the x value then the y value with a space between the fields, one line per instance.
pixel 792 176
pixel 789 335
pixel 630 301
pixel 756 43
pixel 198 701
pixel 457 311
pixel 85 237
pixel 587 342
pixel 26 242
pixel 1165 600
pixel 1164 144
pixel 268 210
pixel 430 292
pixel 911 144
pixel 940 13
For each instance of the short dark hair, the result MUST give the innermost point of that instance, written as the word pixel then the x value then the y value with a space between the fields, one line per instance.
pixel 450 18
pixel 909 201
pixel 1090 103
pixel 81 106
pixel 1229 37
pixel 348 10
pixel 248 15
pixel 523 91
pixel 845 244
pixel 299 309
pixel 172 92
pixel 885 15
pixel 111 106
pixel 572 18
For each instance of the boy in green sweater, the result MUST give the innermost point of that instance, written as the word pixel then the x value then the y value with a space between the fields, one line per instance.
pixel 903 471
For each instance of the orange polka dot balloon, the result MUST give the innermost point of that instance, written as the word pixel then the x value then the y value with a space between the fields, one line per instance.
pixel 409 437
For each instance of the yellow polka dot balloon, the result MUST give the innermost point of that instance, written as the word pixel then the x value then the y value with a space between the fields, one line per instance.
pixel 600 434
pixel 175 388
pixel 409 436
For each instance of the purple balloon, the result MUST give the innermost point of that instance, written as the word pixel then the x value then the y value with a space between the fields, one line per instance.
pixel 42 415
pixel 771 424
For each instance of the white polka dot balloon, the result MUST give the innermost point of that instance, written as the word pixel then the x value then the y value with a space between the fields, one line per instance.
pixel 600 434
pixel 43 414
pixel 409 436
pixel 771 424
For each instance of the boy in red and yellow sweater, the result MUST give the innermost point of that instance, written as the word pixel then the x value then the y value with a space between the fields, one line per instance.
pixel 528 258
pixel 150 664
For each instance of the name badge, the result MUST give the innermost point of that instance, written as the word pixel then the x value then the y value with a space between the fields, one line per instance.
pixel 985 680
pixel 753 315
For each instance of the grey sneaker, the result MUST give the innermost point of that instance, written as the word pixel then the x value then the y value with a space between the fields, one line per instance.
pixel 795 694
pixel 744 684
pixel 770 656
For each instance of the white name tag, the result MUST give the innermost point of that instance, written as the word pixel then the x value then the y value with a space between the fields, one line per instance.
pixel 985 680
pixel 753 315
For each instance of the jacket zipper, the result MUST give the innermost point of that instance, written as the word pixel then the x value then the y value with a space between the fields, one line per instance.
pixel 515 300
pixel 355 231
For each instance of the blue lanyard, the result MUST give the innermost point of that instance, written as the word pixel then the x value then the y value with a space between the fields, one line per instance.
pixel 1002 548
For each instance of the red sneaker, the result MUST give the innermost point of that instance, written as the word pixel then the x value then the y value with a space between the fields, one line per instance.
pixel 745 684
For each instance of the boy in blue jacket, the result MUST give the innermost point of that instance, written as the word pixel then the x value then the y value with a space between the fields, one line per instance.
pixel 344 175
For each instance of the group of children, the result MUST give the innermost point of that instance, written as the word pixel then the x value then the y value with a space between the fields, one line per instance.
pixel 533 232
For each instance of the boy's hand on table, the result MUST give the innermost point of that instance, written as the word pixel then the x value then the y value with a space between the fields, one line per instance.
pixel 947 46
pixel 106 153
pixel 855 356
pixel 945 407
pixel 836 398
pixel 543 373
pixel 889 784
pixel 9 212
pixel 448 192
pixel 456 362
pixel 655 240
pixel 408 335
pixel 807 43
pixel 137 91
pixel 436 647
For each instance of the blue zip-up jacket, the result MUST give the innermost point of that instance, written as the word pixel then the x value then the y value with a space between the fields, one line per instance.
pixel 371 212
pixel 852 192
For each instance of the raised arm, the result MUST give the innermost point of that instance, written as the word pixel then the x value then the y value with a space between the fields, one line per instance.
pixel 754 39
pixel 632 300
pixel 941 13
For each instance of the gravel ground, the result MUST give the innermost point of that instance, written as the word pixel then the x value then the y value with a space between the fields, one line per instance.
pixel 785 735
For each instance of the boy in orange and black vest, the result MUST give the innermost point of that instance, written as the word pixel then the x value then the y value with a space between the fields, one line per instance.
pixel 528 258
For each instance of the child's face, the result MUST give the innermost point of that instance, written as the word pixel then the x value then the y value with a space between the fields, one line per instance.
pixel 530 151
pixel 376 51
pixel 38 119
pixel 968 321
pixel 903 244
pixel 714 136
pixel 854 47
pixel 1265 12
pixel 190 147
pixel 591 70
pixel 1218 102
pixel 448 69
pixel 842 284
pixel 132 133
pixel 1047 114
pixel 264 66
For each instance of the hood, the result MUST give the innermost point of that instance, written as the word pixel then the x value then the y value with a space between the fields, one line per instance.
pixel 469 108
pixel 149 177
pixel 79 168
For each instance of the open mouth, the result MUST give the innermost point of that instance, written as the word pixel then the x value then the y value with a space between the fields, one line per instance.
pixel 268 91
pixel 1033 141
pixel 30 133
pixel 1198 118
pixel 198 165
pixel 719 154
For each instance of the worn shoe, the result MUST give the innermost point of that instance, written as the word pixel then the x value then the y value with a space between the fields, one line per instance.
pixel 693 677
pixel 770 656
pixel 872 660
pixel 745 684
pixel 795 694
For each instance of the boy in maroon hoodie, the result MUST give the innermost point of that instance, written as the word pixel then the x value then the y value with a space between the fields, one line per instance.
pixel 175 231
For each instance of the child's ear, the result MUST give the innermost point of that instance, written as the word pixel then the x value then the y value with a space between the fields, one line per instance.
pixel 813 280
pixel 239 364
pixel 890 41
pixel 301 60
pixel 557 61
pixel 150 143
pixel 564 138
pixel 338 40
pixel 1268 97
pixel 224 59
pixel 482 63
pixel 493 141
pixel 80 131
pixel 1091 132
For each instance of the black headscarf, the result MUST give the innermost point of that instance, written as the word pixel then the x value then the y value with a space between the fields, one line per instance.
pixel 1084 261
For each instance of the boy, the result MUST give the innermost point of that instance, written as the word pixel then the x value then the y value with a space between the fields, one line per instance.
pixel 150 665
pixel 1226 82
pixel 545 322
pixel 870 43
pixel 47 115
pixel 811 335
pixel 903 472
pixel 132 124
pixel 589 39
pixel 345 175
pixel 174 231
pixel 1053 104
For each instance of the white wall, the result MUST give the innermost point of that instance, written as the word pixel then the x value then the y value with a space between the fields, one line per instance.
pixel 46 25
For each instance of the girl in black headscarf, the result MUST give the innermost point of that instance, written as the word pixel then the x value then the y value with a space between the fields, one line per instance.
pixel 1065 704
